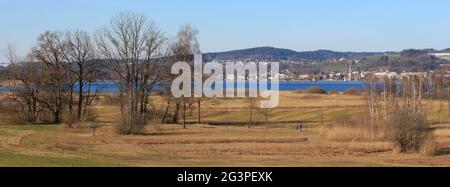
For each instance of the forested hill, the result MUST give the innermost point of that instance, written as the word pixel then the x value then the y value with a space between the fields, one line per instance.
pixel 271 53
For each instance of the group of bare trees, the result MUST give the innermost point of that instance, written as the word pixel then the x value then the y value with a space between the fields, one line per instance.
pixel 54 82
pixel 386 96
pixel 44 82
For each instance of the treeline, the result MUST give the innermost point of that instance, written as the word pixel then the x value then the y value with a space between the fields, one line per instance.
pixel 419 63
pixel 277 54
pixel 52 84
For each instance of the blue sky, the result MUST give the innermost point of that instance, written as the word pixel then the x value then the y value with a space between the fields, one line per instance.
pixel 346 25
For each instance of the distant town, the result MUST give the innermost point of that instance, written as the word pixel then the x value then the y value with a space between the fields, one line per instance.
pixel 360 68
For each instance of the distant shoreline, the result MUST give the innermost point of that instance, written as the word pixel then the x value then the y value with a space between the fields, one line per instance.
pixel 329 86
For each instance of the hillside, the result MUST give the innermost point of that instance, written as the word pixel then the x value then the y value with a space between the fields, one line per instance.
pixel 325 60
pixel 271 53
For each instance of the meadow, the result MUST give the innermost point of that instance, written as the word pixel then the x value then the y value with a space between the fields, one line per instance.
pixel 223 138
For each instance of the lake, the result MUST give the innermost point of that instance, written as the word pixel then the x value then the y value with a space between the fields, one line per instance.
pixel 339 86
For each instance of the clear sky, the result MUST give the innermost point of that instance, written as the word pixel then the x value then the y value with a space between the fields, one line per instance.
pixel 345 25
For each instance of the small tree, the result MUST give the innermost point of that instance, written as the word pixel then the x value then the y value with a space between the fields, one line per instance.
pixel 252 104
pixel 408 130
pixel 266 112
pixel 184 46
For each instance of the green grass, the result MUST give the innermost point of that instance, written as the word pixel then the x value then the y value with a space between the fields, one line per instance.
pixel 13 158
pixel 36 128
pixel 9 158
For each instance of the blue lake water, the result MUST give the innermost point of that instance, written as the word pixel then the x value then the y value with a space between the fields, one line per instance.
pixel 111 87
pixel 283 86
pixel 328 86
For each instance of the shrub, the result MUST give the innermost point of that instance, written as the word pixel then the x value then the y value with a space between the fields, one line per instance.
pixel 333 92
pixel 131 123
pixel 70 119
pixel 352 91
pixel 429 147
pixel 316 90
pixel 408 130
pixel 90 115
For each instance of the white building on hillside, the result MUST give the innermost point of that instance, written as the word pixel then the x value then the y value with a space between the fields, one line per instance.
pixel 441 55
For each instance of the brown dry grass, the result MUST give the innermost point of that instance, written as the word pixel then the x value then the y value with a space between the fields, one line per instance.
pixel 206 145
pixel 354 134
pixel 442 133
pixel 203 145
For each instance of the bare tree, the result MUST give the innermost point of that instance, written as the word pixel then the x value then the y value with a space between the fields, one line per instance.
pixel 10 52
pixel 267 113
pixel 448 97
pixel 438 91
pixel 168 97
pixel 372 103
pixel 50 51
pixel 199 109
pixel 133 47
pixel 185 45
pixel 413 88
pixel 27 75
pixel 252 104
pixel 80 57
pixel 30 84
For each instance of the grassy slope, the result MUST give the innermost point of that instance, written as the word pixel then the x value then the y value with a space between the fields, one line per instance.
pixel 13 155
pixel 10 158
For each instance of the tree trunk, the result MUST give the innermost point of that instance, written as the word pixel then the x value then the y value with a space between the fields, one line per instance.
pixel 70 121
pixel 321 118
pixel 251 112
pixel 251 118
pixel 57 117
pixel 184 114
pixel 199 111
pixel 176 113
pixel 166 112
pixel 80 99
pixel 448 104
pixel 88 100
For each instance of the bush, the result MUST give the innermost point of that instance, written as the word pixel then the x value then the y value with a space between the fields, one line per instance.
pixel 333 92
pixel 131 123
pixel 70 119
pixel 11 114
pixel 408 130
pixel 352 91
pixel 429 147
pixel 316 90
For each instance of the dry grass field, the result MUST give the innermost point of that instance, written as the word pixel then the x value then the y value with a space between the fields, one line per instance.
pixel 220 144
